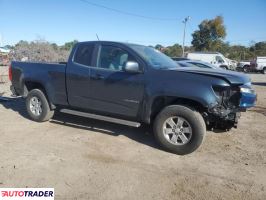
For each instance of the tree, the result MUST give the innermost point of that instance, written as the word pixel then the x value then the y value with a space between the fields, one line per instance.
pixel 173 51
pixel 40 51
pixel 259 49
pixel 158 47
pixel 8 47
pixel 69 45
pixel 210 34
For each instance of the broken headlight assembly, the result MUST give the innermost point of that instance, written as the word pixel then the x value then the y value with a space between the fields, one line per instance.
pixel 227 97
pixel 246 89
pixel 248 96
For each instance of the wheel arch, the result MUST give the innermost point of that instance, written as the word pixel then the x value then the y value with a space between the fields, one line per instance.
pixel 161 102
pixel 30 85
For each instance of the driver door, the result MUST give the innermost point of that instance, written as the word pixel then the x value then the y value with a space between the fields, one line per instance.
pixel 113 90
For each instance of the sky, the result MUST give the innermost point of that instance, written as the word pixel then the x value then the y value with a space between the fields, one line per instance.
pixel 60 21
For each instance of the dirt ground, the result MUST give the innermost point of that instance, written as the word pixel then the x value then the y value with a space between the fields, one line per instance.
pixel 88 159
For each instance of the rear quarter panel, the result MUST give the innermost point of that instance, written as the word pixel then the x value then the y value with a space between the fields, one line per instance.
pixel 50 75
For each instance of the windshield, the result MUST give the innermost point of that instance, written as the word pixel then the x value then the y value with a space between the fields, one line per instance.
pixel 154 57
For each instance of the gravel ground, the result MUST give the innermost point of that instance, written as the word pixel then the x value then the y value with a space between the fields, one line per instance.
pixel 88 159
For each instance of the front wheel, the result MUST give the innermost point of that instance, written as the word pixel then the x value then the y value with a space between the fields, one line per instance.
pixel 38 107
pixel 179 129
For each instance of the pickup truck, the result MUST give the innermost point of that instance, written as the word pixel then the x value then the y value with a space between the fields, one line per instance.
pixel 135 85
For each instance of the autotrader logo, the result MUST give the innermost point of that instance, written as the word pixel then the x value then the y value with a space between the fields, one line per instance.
pixel 26 193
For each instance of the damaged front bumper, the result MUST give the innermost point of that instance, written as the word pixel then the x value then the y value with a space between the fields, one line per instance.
pixel 225 114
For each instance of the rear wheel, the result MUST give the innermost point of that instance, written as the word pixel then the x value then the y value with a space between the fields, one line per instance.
pixel 38 107
pixel 264 70
pixel 179 129
pixel 245 69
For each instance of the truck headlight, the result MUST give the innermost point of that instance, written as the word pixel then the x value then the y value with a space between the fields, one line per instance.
pixel 245 89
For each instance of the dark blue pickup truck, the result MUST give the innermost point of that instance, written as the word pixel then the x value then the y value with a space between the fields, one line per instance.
pixel 132 85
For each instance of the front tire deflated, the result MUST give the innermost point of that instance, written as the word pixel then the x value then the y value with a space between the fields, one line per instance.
pixel 38 107
pixel 179 129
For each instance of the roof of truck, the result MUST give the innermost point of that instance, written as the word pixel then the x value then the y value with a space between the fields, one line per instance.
pixel 114 42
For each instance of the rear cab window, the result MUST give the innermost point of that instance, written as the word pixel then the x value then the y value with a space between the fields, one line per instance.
pixel 83 54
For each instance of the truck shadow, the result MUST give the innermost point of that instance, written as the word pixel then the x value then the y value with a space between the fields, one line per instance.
pixel 142 135
pixel 15 104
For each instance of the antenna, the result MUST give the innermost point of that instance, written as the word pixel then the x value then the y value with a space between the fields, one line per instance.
pixel 97 37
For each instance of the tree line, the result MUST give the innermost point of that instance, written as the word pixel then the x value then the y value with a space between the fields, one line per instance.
pixel 234 52
pixel 209 38
pixel 40 51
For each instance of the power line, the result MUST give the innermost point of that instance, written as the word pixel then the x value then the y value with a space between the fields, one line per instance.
pixel 128 13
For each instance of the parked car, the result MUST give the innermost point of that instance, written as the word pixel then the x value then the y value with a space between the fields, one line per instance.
pixel 179 58
pixel 196 63
pixel 258 65
pixel 4 50
pixel 214 58
pixel 243 66
pixel 132 85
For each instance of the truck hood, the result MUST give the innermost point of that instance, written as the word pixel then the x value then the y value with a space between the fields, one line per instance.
pixel 234 78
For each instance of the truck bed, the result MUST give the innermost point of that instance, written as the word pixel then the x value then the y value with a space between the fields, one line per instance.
pixel 50 75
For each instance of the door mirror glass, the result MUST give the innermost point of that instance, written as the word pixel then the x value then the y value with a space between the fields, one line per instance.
pixel 132 67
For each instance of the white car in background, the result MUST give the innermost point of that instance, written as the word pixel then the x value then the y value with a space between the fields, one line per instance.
pixel 4 50
pixel 213 58
pixel 197 63
pixel 259 64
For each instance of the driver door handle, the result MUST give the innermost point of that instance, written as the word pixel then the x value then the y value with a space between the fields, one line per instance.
pixel 98 77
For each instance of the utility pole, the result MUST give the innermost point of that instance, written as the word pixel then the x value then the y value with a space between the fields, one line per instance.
pixel 184 36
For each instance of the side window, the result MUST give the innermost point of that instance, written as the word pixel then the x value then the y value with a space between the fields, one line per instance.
pixel 112 58
pixel 83 54
pixel 219 59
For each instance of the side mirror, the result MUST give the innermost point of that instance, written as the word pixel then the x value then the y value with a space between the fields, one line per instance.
pixel 132 67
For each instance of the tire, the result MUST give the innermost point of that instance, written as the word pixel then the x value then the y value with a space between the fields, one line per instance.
pixel 245 69
pixel 264 70
pixel 191 118
pixel 38 107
